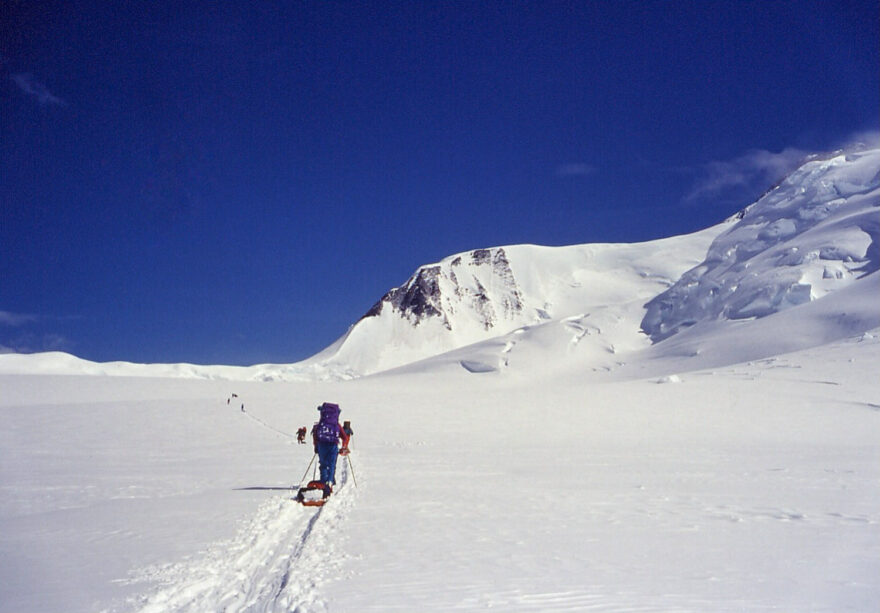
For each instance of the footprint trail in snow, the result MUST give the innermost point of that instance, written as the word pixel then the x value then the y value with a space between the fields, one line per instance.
pixel 276 563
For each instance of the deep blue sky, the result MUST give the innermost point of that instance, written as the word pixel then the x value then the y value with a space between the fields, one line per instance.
pixel 233 182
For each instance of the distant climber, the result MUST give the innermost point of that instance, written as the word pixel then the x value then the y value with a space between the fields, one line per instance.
pixel 301 435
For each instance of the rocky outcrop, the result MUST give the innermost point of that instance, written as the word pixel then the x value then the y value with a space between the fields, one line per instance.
pixel 478 284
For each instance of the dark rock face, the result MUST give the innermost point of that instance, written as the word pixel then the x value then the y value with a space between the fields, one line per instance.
pixel 418 299
pixel 421 296
pixel 484 256
pixel 511 303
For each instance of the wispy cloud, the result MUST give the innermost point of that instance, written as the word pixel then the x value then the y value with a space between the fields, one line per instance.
pixel 16 320
pixel 758 169
pixel 55 342
pixel 24 333
pixel 30 342
pixel 866 138
pixel 576 169
pixel 31 86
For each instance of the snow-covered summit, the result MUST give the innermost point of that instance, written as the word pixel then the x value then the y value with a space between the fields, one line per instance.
pixel 814 233
pixel 457 286
pixel 483 294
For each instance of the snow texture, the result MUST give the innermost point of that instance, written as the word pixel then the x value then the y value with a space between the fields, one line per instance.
pixel 813 234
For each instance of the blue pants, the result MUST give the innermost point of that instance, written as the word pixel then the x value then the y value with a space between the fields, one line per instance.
pixel 327 454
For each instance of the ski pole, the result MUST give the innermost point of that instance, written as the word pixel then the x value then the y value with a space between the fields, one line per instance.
pixel 351 468
pixel 307 469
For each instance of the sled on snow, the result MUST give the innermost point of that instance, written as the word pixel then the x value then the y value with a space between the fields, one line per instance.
pixel 314 494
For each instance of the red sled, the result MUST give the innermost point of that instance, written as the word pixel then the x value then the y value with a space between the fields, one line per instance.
pixel 305 495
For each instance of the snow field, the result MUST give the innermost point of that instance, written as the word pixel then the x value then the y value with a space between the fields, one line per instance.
pixel 635 497
pixel 276 562
pixel 748 487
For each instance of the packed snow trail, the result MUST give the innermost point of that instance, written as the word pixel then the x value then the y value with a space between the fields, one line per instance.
pixel 276 563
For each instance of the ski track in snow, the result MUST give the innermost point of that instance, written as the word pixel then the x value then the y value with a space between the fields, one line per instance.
pixel 276 562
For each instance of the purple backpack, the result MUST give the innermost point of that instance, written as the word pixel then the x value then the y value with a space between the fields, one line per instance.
pixel 327 430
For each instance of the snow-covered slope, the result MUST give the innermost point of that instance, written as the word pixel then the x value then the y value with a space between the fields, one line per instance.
pixel 815 233
pixel 752 487
pixel 484 294
pixel 809 245
pixel 61 363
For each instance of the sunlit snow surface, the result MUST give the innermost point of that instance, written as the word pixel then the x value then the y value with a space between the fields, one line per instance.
pixel 744 488
pixel 556 461
pixel 813 234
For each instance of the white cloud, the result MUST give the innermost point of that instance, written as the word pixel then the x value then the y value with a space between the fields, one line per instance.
pixel 30 342
pixel 867 138
pixel 55 342
pixel 758 169
pixel 29 85
pixel 16 320
pixel 27 333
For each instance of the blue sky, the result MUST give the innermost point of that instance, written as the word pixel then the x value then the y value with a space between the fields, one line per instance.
pixel 231 182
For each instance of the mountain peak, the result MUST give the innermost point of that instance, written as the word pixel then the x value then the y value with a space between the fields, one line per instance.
pixel 440 290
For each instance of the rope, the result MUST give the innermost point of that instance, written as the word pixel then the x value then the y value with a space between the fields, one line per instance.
pixel 264 424
pixel 267 426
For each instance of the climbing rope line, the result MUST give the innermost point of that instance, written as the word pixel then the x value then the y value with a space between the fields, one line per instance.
pixel 265 425
pixel 272 428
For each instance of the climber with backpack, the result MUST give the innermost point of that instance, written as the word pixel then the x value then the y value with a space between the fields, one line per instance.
pixel 326 435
